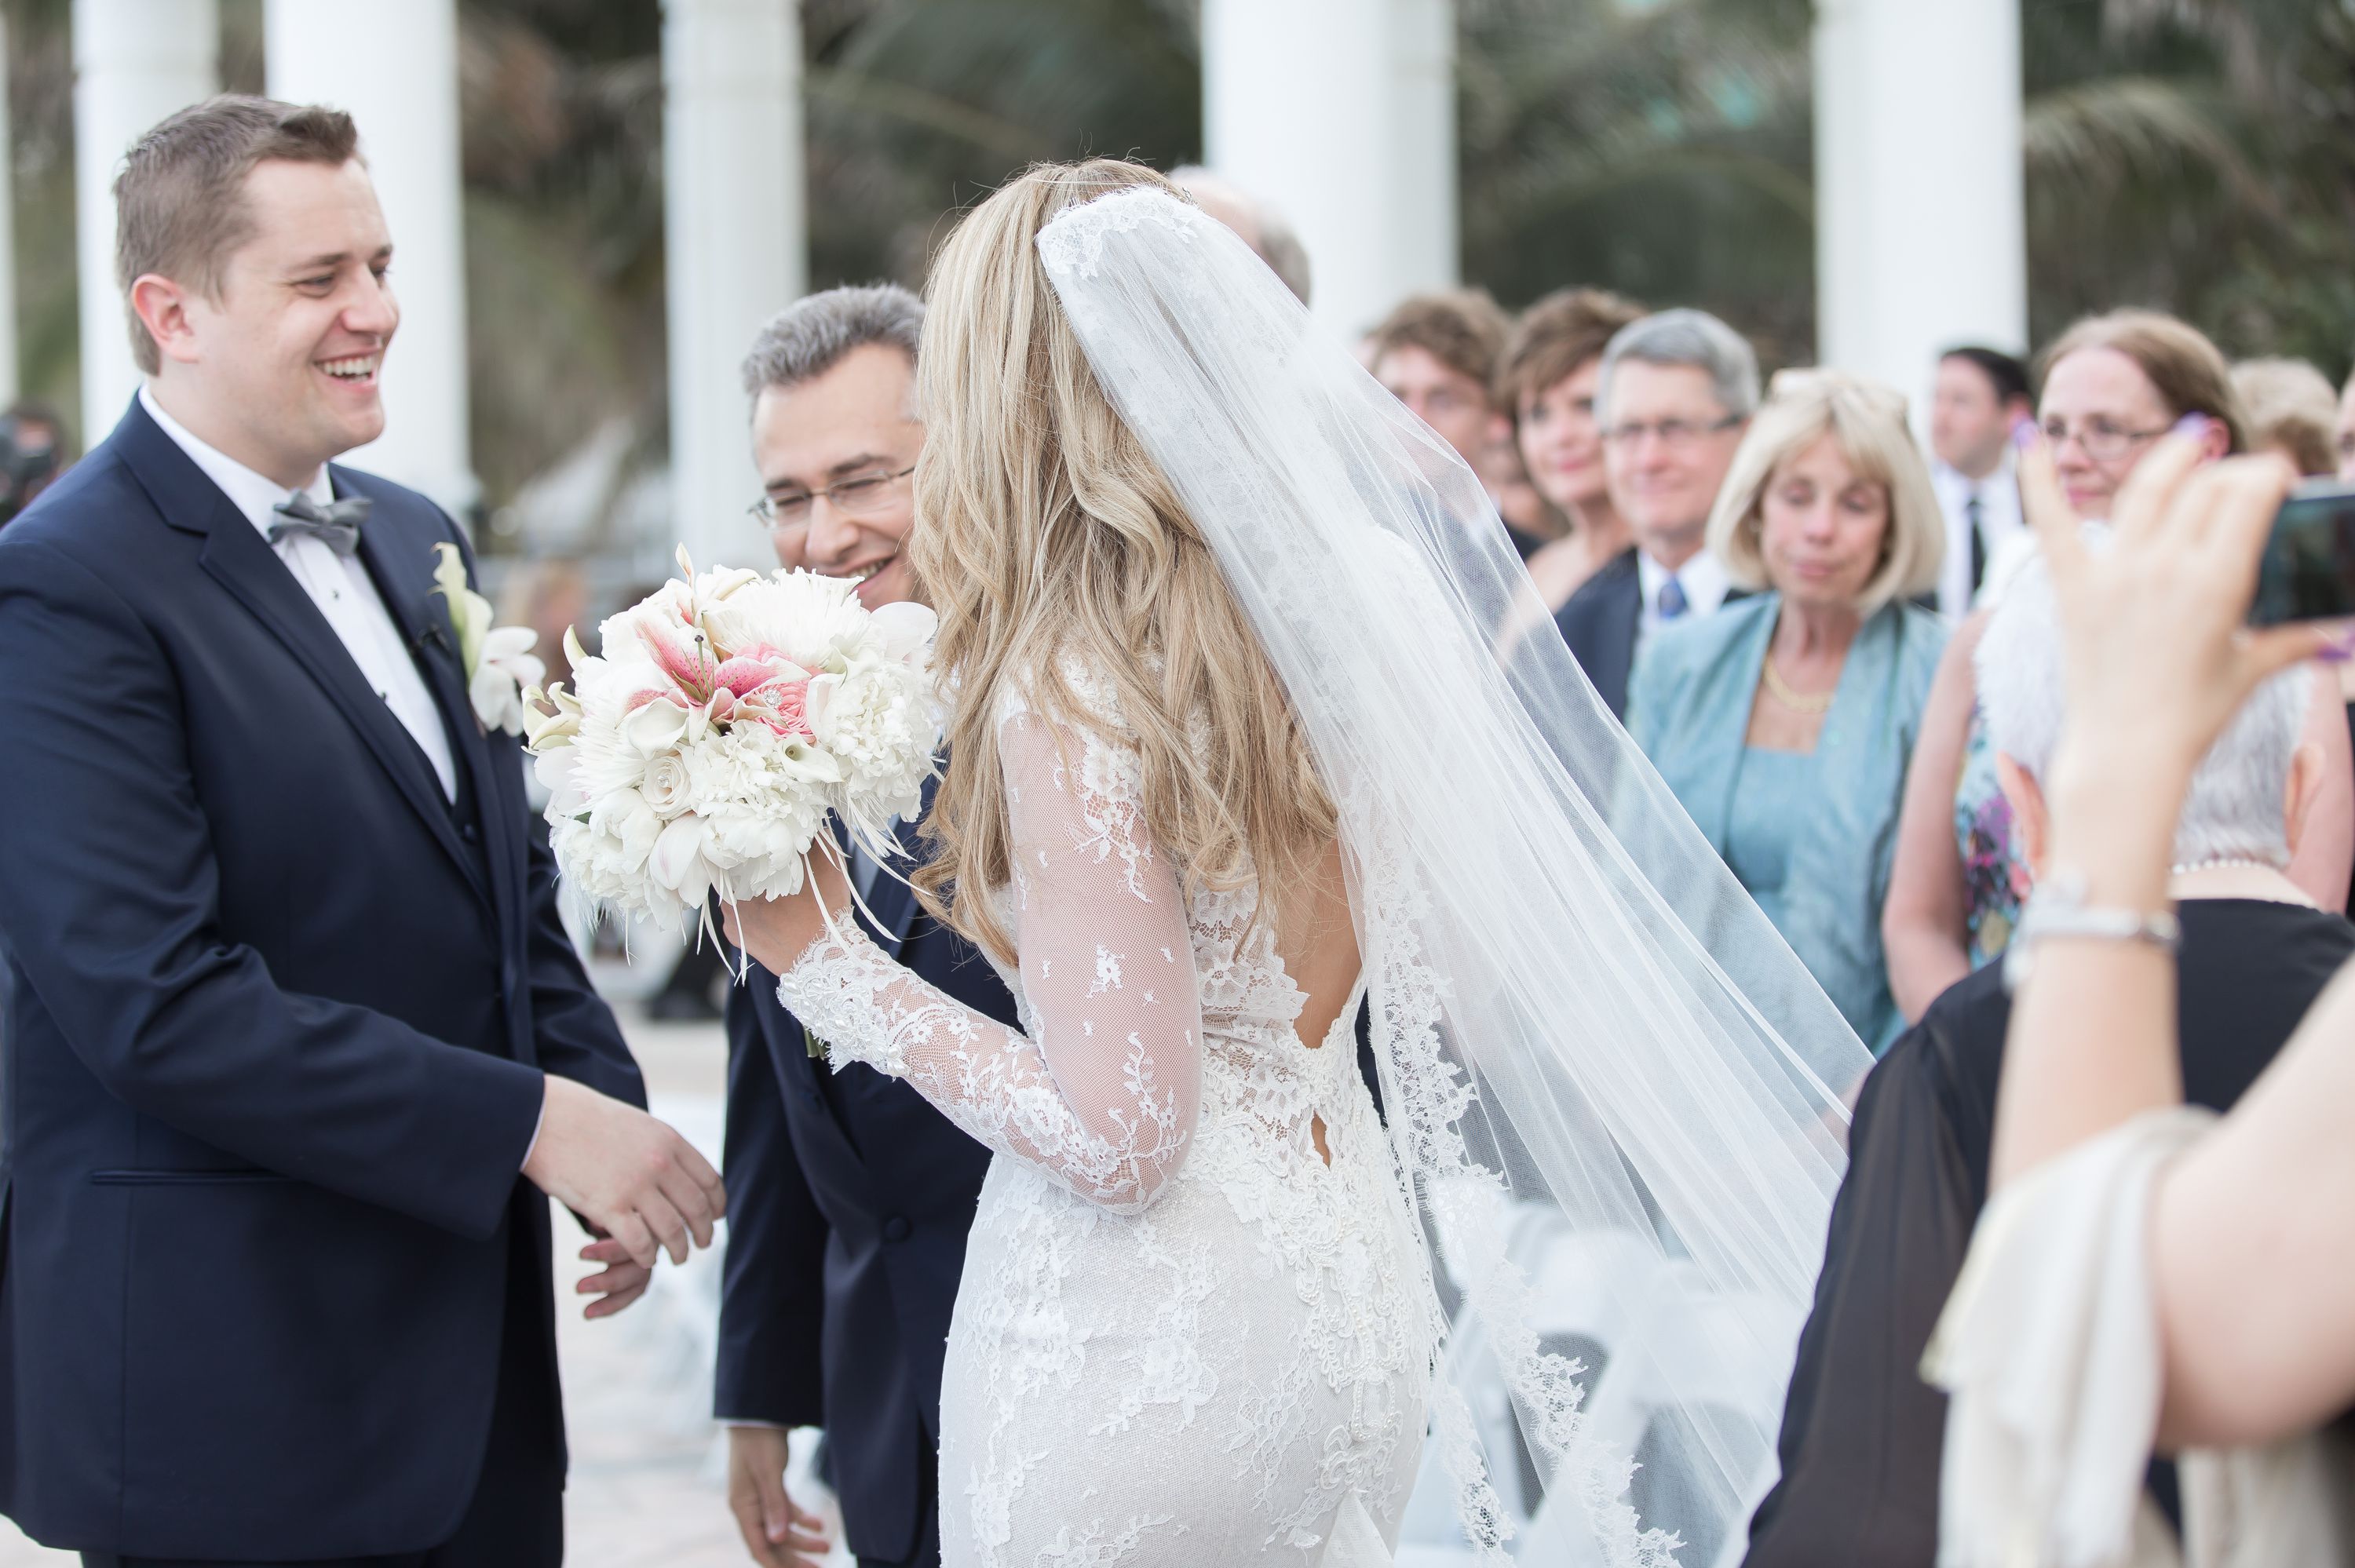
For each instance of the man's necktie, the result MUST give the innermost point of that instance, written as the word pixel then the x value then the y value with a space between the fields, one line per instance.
pixel 1978 546
pixel 336 524
pixel 1673 602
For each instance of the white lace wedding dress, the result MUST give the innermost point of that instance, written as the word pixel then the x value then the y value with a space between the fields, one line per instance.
pixel 1183 1336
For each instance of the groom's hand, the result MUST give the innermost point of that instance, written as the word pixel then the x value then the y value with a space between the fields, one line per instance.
pixel 777 1533
pixel 624 1172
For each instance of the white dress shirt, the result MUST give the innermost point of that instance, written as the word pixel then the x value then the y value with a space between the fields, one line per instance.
pixel 339 585
pixel 2001 528
pixel 1702 577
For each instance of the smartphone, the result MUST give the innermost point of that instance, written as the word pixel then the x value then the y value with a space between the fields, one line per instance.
pixel 2308 569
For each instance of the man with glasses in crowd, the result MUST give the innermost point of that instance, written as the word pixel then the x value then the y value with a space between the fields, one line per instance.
pixel 1673 395
pixel 851 1196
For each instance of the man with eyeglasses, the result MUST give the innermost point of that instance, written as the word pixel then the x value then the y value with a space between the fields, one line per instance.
pixel 1673 395
pixel 850 1197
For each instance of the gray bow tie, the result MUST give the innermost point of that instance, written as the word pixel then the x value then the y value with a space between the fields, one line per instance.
pixel 336 524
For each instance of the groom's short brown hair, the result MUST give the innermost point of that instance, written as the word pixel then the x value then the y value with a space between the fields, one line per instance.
pixel 179 203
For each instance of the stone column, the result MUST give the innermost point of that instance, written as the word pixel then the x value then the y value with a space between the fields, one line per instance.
pixel 1359 152
pixel 394 68
pixel 1921 238
pixel 735 246
pixel 135 61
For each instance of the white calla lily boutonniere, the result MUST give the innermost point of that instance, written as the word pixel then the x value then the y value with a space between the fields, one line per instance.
pixel 498 659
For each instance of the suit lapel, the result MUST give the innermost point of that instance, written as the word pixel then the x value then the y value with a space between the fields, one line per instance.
pixel 235 555
pixel 406 586
pixel 1617 656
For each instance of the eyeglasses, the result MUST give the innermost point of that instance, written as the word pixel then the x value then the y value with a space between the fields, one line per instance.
pixel 858 496
pixel 2103 441
pixel 1673 433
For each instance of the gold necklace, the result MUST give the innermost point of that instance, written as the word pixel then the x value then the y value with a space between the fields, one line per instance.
pixel 1797 701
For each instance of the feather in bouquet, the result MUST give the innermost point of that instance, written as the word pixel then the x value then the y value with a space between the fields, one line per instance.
pixel 722 719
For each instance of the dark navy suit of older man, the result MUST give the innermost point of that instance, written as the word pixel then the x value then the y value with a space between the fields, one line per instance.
pixel 271 1287
pixel 849 1198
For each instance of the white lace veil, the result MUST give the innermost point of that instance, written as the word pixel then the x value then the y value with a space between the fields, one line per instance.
pixel 1617 1094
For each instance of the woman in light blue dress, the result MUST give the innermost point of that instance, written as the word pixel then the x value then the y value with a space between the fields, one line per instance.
pixel 1784 722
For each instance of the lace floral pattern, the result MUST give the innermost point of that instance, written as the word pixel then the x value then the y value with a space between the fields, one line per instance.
pixel 1183 1336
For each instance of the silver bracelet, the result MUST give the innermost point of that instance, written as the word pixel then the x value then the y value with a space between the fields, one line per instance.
pixel 2058 908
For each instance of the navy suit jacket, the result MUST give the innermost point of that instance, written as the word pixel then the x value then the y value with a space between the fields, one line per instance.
pixel 849 1204
pixel 1599 624
pixel 274 1046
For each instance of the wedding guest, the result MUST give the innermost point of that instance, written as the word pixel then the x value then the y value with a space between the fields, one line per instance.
pixel 2148 1276
pixel 297 1049
pixel 32 454
pixel 1862 1434
pixel 1784 722
pixel 2292 412
pixel 1980 396
pixel 2113 386
pixel 854 1195
pixel 1437 354
pixel 1675 392
pixel 1545 383
pixel 1259 224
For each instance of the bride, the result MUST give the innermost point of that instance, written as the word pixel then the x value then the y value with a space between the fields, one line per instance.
pixel 1230 755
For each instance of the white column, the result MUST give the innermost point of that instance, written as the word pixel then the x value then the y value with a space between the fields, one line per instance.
pixel 735 246
pixel 9 375
pixel 1921 241
pixel 1359 152
pixel 394 69
pixel 135 61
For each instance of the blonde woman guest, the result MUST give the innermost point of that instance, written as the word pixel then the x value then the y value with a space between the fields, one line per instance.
pixel 1784 722
pixel 1546 383
pixel 2292 412
pixel 2113 384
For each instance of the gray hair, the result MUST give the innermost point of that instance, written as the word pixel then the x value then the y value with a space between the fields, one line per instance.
pixel 1269 234
pixel 2235 805
pixel 813 335
pixel 1686 337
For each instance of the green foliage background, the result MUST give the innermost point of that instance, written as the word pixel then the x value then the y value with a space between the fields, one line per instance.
pixel 2197 156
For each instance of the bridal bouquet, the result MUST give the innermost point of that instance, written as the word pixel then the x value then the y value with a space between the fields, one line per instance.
pixel 720 720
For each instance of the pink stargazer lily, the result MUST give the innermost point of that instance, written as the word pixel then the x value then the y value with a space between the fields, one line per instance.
pixel 680 649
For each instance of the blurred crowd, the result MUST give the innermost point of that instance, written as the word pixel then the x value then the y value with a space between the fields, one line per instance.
pixel 1844 652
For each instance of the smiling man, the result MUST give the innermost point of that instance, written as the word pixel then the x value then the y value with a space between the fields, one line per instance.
pixel 295 1040
pixel 851 1195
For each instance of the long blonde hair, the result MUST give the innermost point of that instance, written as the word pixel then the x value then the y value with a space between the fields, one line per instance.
pixel 1044 533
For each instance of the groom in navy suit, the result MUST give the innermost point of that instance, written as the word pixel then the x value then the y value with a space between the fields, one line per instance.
pixel 296 1049
pixel 851 1195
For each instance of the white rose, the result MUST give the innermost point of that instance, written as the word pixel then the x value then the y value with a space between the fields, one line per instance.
pixel 666 786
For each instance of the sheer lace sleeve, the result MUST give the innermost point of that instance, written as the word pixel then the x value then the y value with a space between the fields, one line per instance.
pixel 1101 1091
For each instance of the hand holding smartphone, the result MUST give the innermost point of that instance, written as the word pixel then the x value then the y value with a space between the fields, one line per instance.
pixel 2308 572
